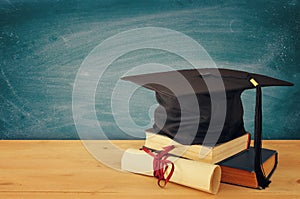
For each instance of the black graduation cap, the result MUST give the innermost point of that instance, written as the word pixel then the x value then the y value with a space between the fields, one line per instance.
pixel 197 105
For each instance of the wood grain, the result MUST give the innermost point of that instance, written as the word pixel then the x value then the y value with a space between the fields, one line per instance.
pixel 65 169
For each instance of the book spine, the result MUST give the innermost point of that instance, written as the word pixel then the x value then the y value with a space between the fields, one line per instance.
pixel 249 141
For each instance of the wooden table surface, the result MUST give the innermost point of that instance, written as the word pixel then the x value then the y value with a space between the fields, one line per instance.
pixel 65 169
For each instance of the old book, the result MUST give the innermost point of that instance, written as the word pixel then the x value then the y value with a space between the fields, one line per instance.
pixel 181 94
pixel 198 152
pixel 239 169
pixel 198 175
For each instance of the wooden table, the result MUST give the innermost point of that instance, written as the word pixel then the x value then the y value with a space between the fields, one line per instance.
pixel 64 169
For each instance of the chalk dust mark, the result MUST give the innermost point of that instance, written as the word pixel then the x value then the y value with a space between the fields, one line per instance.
pixel 8 83
pixel 6 122
pixel 19 99
pixel 22 111
pixel 230 25
pixel 65 40
pixel 16 107
pixel 10 3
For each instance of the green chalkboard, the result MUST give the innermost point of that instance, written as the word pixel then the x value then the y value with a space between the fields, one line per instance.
pixel 43 44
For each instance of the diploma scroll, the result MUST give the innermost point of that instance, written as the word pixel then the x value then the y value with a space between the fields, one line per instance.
pixel 198 175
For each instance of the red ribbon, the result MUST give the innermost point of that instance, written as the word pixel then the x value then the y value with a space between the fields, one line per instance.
pixel 161 164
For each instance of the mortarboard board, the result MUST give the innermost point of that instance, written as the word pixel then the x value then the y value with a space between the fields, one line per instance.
pixel 198 106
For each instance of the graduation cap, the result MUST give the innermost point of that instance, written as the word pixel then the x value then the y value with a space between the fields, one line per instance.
pixel 199 105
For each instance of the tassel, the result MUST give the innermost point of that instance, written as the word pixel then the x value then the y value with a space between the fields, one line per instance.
pixel 262 180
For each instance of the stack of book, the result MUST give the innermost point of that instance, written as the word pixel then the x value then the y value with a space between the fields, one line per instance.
pixel 181 95
pixel 235 159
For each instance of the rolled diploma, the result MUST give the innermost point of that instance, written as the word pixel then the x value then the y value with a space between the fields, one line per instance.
pixel 199 175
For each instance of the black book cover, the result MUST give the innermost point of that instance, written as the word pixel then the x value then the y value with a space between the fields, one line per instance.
pixel 245 159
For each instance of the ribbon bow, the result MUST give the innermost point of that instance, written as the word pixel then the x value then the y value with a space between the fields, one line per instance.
pixel 161 164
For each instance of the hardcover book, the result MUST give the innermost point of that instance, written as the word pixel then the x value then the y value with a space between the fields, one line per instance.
pixel 239 169
pixel 192 103
pixel 198 152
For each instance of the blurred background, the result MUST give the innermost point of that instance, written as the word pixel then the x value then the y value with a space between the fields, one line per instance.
pixel 44 42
